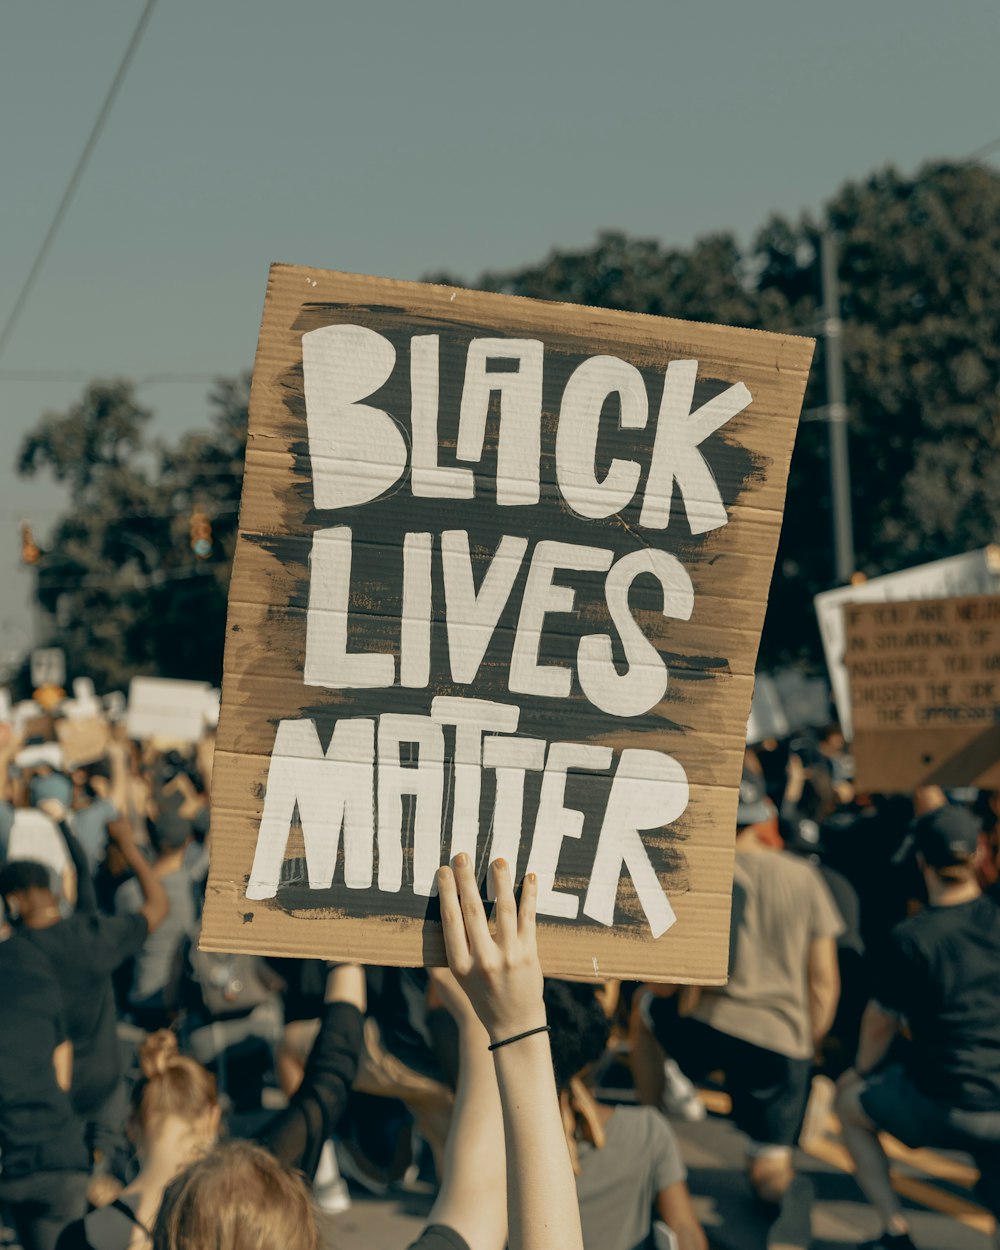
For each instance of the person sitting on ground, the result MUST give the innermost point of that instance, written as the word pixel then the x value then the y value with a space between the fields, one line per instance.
pixel 174 1120
pixel 83 950
pixel 242 1199
pixel 176 1115
pixel 627 1160
pixel 941 978
pixel 761 1028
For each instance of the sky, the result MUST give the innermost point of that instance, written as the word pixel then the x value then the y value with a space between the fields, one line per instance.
pixel 400 138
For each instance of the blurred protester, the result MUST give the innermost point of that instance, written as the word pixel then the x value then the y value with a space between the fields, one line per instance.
pixel 83 949
pixel 44 1166
pixel 941 981
pixel 233 1020
pixel 628 1164
pixel 303 1005
pixel 176 1116
pixel 174 1120
pixel 763 1026
pixel 987 810
pixel 399 1061
pixel 158 966
pixel 93 810
pixel 240 1198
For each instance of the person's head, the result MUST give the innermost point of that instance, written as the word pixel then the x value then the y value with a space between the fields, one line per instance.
pixel 753 808
pixel 26 888
pixel 175 1099
pixel 239 1197
pixel 946 842
pixel 169 831
pixel 580 1029
pixel 48 785
pixel 93 781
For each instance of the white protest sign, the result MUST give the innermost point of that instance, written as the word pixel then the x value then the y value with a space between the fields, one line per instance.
pixel 48 667
pixel 973 573
pixel 36 836
pixel 84 705
pixel 166 708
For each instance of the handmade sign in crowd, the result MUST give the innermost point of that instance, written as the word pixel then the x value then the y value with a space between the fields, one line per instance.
pixel 925 692
pixel 500 578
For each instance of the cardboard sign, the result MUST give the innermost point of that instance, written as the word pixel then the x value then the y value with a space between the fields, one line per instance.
pixel 83 741
pixel 48 667
pixel 166 710
pixel 925 689
pixel 973 573
pixel 498 587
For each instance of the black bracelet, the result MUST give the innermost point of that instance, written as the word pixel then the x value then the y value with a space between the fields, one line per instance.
pixel 519 1037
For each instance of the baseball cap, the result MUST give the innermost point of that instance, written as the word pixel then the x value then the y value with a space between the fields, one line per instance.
pixel 945 837
pixel 753 807
pixel 51 786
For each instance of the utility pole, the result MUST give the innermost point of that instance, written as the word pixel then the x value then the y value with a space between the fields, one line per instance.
pixel 836 414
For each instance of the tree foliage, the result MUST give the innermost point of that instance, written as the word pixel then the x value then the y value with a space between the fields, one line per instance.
pixel 920 287
pixel 119 583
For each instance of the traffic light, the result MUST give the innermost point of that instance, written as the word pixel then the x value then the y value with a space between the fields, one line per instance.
pixel 201 534
pixel 31 553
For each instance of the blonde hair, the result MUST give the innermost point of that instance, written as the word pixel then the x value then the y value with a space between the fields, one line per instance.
pixel 171 1084
pixel 237 1198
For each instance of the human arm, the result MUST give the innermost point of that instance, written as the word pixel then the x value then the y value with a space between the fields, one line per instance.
pixel 676 1210
pixel 473 1196
pixel 296 1135
pixel 119 759
pixel 62 1062
pixel 86 895
pixel 823 973
pixel 795 784
pixel 155 906
pixel 878 1030
pixel 9 745
pixel 503 980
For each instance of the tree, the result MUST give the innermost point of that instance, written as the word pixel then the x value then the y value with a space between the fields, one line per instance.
pixel 921 301
pixel 920 289
pixel 122 589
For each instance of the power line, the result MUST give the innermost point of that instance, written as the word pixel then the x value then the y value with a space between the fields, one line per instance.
pixel 985 150
pixel 75 177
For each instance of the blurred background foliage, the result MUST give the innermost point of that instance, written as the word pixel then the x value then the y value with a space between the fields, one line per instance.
pixel 123 591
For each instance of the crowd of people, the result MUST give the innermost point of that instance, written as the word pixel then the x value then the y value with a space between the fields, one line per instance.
pixel 154 1093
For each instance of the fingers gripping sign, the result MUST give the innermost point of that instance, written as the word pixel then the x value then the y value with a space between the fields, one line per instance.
pixel 500 974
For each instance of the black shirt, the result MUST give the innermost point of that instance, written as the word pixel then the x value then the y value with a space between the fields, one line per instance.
pixel 38 1129
pixel 83 951
pixel 942 972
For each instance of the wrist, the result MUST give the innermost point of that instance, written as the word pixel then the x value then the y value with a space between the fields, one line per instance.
pixel 528 1024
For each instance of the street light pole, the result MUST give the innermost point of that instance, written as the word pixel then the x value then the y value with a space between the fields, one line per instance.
pixel 836 414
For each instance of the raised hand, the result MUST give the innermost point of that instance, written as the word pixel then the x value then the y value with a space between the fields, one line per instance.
pixel 500 974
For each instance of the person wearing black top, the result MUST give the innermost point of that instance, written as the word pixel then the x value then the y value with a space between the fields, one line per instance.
pixel 941 977
pixel 83 950
pixel 43 1159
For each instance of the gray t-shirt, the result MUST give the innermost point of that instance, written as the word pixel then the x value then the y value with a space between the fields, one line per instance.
pixel 618 1184
pixel 780 906
pixel 158 961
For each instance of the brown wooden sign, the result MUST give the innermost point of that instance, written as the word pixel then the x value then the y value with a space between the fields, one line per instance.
pixel 499 584
pixel 925 692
